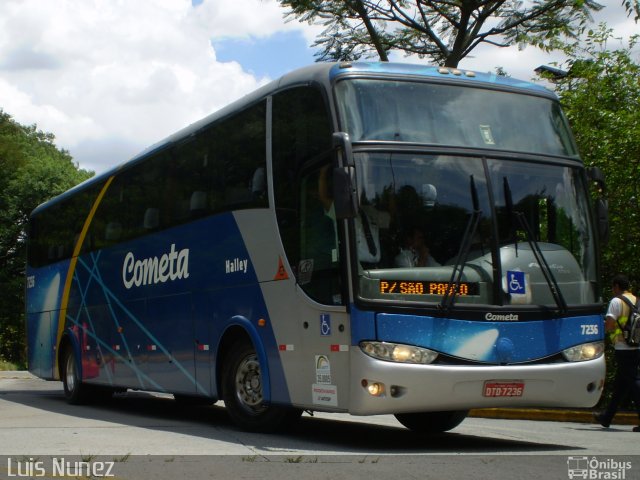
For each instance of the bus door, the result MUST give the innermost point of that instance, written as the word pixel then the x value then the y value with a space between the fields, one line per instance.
pixel 324 331
pixel 314 342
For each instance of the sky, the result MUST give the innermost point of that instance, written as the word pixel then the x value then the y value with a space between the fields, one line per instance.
pixel 109 78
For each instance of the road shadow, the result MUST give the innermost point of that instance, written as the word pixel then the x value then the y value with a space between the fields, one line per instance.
pixel 162 413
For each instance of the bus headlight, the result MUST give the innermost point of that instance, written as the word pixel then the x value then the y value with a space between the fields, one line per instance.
pixel 586 351
pixel 395 352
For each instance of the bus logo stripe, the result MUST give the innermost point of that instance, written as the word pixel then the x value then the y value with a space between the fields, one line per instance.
pixel 72 265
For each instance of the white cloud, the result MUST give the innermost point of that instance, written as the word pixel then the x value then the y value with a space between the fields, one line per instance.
pixel 131 71
pixel 244 18
pixel 111 77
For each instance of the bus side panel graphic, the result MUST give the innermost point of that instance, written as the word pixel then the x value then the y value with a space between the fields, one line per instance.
pixel 131 307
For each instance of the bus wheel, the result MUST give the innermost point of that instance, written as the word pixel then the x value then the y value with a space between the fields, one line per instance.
pixel 242 393
pixel 432 422
pixel 74 390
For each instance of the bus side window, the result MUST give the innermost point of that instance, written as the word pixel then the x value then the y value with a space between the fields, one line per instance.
pixel 240 151
pixel 151 219
pixel 198 203
pixel 113 232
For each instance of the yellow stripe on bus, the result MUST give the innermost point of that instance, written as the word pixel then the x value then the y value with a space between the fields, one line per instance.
pixel 72 269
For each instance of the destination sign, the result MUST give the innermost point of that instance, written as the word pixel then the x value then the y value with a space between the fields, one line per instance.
pixel 428 287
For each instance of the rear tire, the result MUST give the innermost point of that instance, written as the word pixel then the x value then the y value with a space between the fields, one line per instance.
pixel 75 391
pixel 432 422
pixel 242 393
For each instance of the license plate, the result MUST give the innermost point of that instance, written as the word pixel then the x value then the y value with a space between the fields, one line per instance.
pixel 503 389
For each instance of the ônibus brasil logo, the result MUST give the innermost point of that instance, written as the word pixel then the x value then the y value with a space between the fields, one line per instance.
pixel 151 271
pixel 596 469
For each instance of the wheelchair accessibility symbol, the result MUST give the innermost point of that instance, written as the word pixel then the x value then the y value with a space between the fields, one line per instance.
pixel 325 324
pixel 516 283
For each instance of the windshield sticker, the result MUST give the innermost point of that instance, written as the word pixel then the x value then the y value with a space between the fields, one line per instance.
pixel 516 282
pixel 487 136
pixel 516 285
pixel 305 271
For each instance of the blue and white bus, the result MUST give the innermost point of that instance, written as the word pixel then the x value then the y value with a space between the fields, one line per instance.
pixel 368 238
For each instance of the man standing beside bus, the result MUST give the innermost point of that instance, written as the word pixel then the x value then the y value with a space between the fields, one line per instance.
pixel 627 357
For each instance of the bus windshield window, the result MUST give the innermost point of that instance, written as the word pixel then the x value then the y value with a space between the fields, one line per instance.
pixel 401 111
pixel 418 209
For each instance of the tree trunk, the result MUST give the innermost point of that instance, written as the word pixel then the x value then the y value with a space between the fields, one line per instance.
pixel 375 38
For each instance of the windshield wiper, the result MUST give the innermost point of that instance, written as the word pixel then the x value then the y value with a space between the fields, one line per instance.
pixel 463 253
pixel 535 247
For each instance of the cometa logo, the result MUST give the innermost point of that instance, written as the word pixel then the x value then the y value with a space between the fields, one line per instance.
pixel 495 317
pixel 151 271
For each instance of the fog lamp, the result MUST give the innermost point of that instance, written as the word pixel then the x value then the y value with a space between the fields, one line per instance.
pixel 375 389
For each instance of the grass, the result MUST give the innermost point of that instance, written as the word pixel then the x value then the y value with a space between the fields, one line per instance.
pixel 6 366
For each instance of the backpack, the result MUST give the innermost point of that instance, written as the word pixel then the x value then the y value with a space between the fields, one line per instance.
pixel 631 329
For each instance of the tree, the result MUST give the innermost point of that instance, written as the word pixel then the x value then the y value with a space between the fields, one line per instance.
pixel 600 94
pixel 445 31
pixel 33 170
pixel 601 97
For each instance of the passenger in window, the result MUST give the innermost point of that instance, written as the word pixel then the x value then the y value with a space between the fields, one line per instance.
pixel 408 206
pixel 414 251
pixel 259 185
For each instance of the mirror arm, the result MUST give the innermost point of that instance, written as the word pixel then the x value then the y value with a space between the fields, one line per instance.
pixel 341 142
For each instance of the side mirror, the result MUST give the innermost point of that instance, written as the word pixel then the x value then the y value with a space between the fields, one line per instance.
pixel 342 143
pixel 602 219
pixel 597 177
pixel 345 196
pixel 601 205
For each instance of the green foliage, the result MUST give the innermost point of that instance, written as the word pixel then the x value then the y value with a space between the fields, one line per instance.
pixel 633 8
pixel 441 30
pixel 601 97
pixel 33 170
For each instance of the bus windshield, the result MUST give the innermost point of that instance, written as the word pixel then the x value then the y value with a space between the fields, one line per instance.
pixel 418 208
pixel 436 114
pixel 503 229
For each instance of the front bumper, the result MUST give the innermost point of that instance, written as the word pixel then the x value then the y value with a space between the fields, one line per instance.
pixel 421 388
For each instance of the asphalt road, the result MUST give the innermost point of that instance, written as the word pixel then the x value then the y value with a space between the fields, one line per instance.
pixel 146 435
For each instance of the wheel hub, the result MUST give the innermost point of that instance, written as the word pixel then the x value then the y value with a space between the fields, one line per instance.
pixel 249 383
pixel 70 371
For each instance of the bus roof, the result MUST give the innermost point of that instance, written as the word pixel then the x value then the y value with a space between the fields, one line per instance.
pixel 322 73
pixel 431 71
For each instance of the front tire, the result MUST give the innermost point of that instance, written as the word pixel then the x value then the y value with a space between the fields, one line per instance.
pixel 432 422
pixel 242 393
